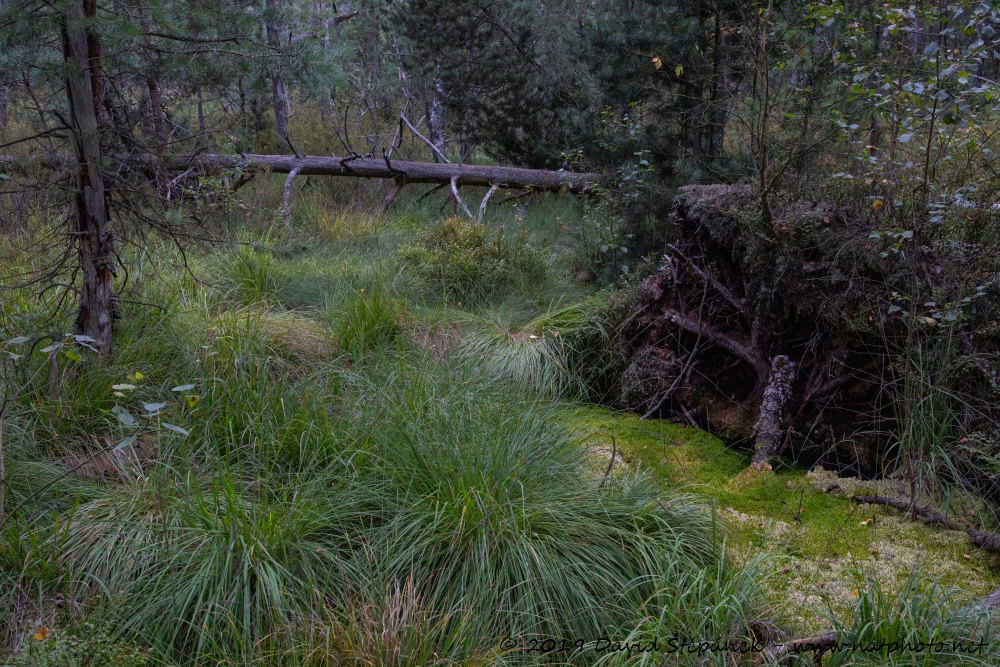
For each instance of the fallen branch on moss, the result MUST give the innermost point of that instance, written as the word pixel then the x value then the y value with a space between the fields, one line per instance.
pixel 988 541
pixel 828 641
pixel 823 642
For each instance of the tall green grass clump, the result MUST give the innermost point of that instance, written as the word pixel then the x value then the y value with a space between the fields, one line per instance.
pixel 363 321
pixel 557 353
pixel 923 613
pixel 466 260
pixel 254 271
pixel 494 512
pixel 203 563
pixel 723 603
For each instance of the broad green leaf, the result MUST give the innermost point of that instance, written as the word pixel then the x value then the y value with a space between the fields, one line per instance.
pixel 124 416
pixel 176 429
pixel 153 407
pixel 183 387
pixel 125 443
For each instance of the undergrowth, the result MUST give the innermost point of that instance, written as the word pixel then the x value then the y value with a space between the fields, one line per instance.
pixel 352 445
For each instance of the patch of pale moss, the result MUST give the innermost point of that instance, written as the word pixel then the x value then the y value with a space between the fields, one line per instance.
pixel 821 540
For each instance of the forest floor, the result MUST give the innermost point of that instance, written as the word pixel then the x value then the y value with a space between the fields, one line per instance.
pixel 819 540
pixel 280 343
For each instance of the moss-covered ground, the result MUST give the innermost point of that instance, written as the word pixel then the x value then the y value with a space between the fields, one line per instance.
pixel 821 541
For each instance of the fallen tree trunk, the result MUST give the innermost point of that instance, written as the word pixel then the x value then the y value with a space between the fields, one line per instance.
pixel 361 167
pixel 399 171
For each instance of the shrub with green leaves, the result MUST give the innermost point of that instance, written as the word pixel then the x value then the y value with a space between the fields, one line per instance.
pixel 468 260
pixel 85 647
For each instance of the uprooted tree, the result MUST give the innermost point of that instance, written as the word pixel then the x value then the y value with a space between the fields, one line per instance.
pixel 790 334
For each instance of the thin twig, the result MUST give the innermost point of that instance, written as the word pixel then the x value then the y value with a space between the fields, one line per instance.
pixel 427 141
pixel 614 451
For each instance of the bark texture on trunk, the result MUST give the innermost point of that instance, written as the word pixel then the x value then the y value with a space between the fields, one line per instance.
pixel 81 53
pixel 279 100
pixel 772 407
pixel 435 114
pixel 279 92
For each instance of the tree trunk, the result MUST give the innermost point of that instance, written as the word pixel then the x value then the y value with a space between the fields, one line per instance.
pixel 81 54
pixel 776 395
pixel 201 117
pixel 717 113
pixel 279 100
pixel 155 110
pixel 4 91
pixel 279 92
pixel 435 113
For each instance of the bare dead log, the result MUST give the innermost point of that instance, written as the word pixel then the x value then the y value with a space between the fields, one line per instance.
pixel 517 178
pixel 988 603
pixel 827 641
pixel 411 172
pixel 821 642
pixel 988 541
pixel 776 395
